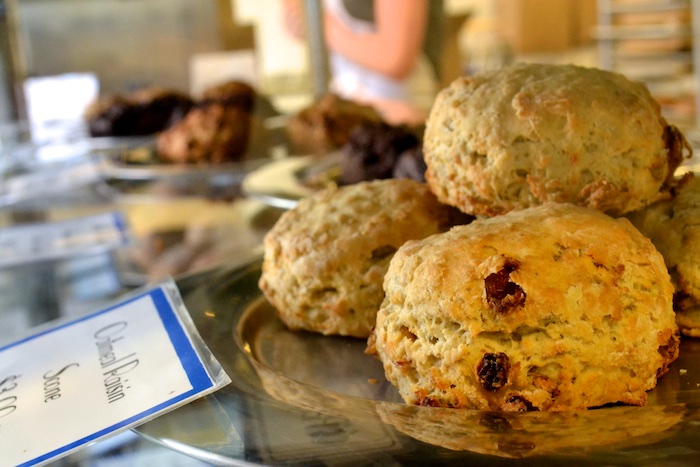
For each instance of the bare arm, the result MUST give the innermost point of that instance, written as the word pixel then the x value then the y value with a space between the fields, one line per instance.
pixel 395 45
pixel 293 15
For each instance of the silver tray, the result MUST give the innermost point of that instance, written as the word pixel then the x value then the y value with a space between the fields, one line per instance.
pixel 130 171
pixel 303 399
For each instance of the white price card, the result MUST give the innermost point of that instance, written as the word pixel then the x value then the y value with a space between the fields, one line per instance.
pixel 94 234
pixel 76 382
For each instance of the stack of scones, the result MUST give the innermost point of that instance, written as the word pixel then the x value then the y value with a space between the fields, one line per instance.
pixel 521 275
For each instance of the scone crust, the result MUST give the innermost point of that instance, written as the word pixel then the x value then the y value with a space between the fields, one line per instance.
pixel 534 133
pixel 674 228
pixel 325 260
pixel 586 318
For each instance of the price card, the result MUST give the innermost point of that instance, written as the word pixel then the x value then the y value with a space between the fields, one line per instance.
pixel 77 382
pixel 56 240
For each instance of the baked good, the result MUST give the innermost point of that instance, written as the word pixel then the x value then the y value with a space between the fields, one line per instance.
pixel 216 130
pixel 326 124
pixel 410 164
pixel 532 133
pixel 212 132
pixel 233 92
pixel 324 260
pixel 555 307
pixel 373 150
pixel 674 228
pixel 142 112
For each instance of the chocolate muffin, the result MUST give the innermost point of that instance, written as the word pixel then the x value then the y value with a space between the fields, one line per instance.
pixel 143 112
pixel 373 151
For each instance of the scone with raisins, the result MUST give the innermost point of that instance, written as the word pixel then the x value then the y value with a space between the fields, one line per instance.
pixel 674 228
pixel 556 307
pixel 324 261
pixel 533 133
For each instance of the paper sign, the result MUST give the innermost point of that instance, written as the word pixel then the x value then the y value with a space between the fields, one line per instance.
pixel 50 241
pixel 81 381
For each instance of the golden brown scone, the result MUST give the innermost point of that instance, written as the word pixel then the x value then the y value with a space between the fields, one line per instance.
pixel 533 133
pixel 326 124
pixel 325 260
pixel 555 307
pixel 674 228
pixel 212 132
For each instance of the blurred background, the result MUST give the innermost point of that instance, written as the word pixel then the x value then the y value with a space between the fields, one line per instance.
pixel 185 44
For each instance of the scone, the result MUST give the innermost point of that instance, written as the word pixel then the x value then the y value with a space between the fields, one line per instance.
pixel 674 228
pixel 556 307
pixel 324 261
pixel 532 133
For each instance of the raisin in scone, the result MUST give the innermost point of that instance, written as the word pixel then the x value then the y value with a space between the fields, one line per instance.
pixel 556 307
pixel 324 261
pixel 533 133
pixel 674 228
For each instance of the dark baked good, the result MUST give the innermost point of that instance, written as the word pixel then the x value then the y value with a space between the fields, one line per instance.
pixel 212 132
pixel 236 93
pixel 326 124
pixel 528 134
pixel 555 307
pixel 373 151
pixel 410 164
pixel 143 112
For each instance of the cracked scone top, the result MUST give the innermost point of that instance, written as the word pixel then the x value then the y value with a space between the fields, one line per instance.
pixel 324 261
pixel 532 133
pixel 555 307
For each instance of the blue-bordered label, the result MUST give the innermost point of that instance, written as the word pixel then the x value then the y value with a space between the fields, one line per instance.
pixel 77 382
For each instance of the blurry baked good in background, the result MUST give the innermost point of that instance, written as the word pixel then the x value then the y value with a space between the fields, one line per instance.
pixel 234 93
pixel 212 132
pixel 142 112
pixel 410 164
pixel 216 130
pixel 533 133
pixel 674 228
pixel 325 260
pixel 551 308
pixel 373 151
pixel 326 124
